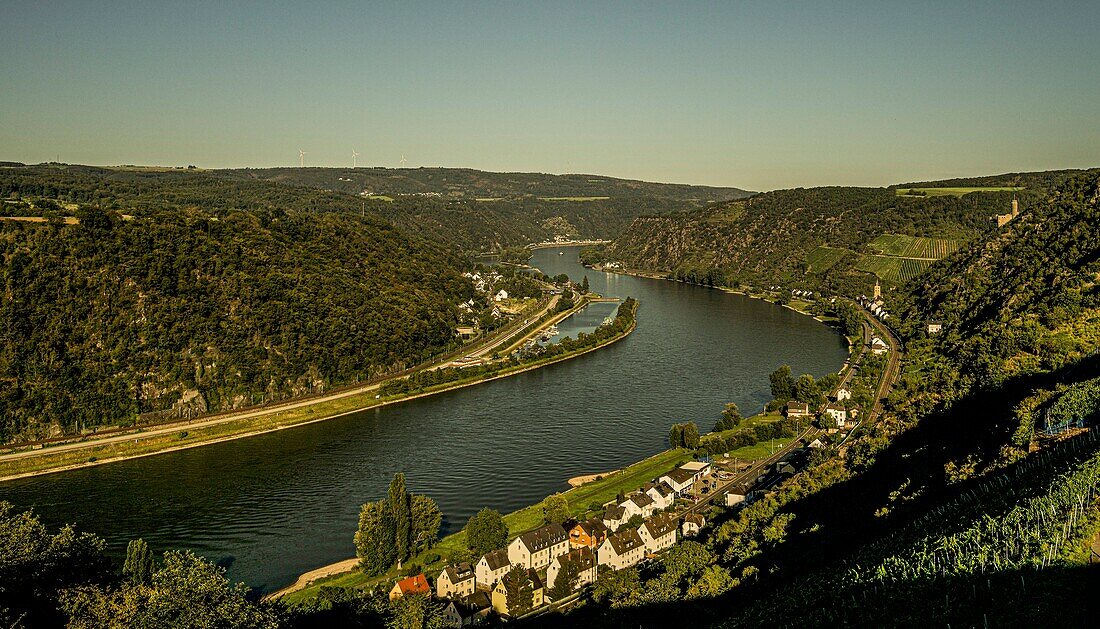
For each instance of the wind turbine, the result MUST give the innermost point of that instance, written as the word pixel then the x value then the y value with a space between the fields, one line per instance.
pixel 354 155
pixel 403 160
pixel 301 158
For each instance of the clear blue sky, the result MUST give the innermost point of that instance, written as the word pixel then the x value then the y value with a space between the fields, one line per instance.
pixel 749 94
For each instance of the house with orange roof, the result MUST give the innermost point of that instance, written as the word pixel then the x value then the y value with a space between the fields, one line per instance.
pixel 417 584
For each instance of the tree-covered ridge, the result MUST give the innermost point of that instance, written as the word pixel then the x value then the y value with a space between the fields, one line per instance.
pixel 483 211
pixel 1027 297
pixel 770 237
pixel 115 317
pixel 468 209
pixel 477 184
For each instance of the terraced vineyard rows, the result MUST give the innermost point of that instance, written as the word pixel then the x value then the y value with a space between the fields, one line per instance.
pixel 914 247
pixel 892 268
pixel 824 258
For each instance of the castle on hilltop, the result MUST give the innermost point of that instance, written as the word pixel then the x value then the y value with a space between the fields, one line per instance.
pixel 1002 219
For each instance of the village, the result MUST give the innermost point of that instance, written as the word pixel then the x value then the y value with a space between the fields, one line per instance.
pixel 632 530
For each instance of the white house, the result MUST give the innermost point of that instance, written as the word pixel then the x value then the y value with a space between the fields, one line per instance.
pixel 737 494
pixel 878 346
pixel 621 550
pixel 536 549
pixel 934 327
pixel 585 561
pixel 501 295
pixel 837 413
pixel 797 409
pixel 693 522
pixel 843 393
pixel 491 568
pixel 679 479
pixel 614 516
pixel 658 533
pixel 639 504
pixel 663 496
pixel 456 581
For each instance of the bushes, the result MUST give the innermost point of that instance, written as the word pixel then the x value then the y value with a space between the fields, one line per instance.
pixel 717 443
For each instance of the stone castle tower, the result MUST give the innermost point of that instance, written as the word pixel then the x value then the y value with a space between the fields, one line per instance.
pixel 1003 219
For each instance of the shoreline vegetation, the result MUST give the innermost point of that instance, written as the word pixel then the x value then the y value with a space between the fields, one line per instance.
pixel 177 436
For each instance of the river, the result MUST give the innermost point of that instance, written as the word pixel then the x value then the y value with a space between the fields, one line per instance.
pixel 273 506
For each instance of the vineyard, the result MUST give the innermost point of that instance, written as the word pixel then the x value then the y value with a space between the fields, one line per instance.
pixel 973 560
pixel 914 247
pixel 824 258
pixel 893 269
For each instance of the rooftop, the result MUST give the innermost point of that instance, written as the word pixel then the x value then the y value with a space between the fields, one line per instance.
pixel 544 537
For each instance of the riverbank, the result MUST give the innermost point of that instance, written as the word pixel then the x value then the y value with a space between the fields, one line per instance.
pixel 581 500
pixel 798 306
pixel 200 433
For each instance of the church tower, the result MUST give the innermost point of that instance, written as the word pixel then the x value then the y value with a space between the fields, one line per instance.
pixel 878 290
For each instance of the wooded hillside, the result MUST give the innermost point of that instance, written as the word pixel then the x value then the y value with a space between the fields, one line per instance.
pixel 234 290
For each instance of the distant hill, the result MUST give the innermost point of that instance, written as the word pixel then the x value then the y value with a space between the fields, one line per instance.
pixel 480 211
pixel 830 236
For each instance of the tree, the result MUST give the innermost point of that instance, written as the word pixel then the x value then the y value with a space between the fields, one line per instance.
pixel 806 390
pixel 138 567
pixel 782 383
pixel 566 581
pixel 519 592
pixel 615 587
pixel 676 436
pixel 486 531
pixel 584 284
pixel 400 508
pixel 686 560
pixel 555 508
pixel 416 611
pixel 374 540
pixel 731 418
pixel 188 591
pixel 691 435
pixel 426 519
pixel 36 565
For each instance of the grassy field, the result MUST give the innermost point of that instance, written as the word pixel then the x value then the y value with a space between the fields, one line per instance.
pixel 760 450
pixel 958 192
pixel 914 247
pixel 892 268
pixel 581 499
pixel 573 198
pixel 824 258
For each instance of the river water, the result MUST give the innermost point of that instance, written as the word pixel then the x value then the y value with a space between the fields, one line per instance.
pixel 273 506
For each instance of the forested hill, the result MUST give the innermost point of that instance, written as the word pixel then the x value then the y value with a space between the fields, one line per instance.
pixel 236 290
pixel 822 236
pixel 482 211
pixel 466 183
pixel 1028 296
pixel 469 210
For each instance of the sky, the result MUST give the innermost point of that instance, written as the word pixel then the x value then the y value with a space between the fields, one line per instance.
pixel 757 95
